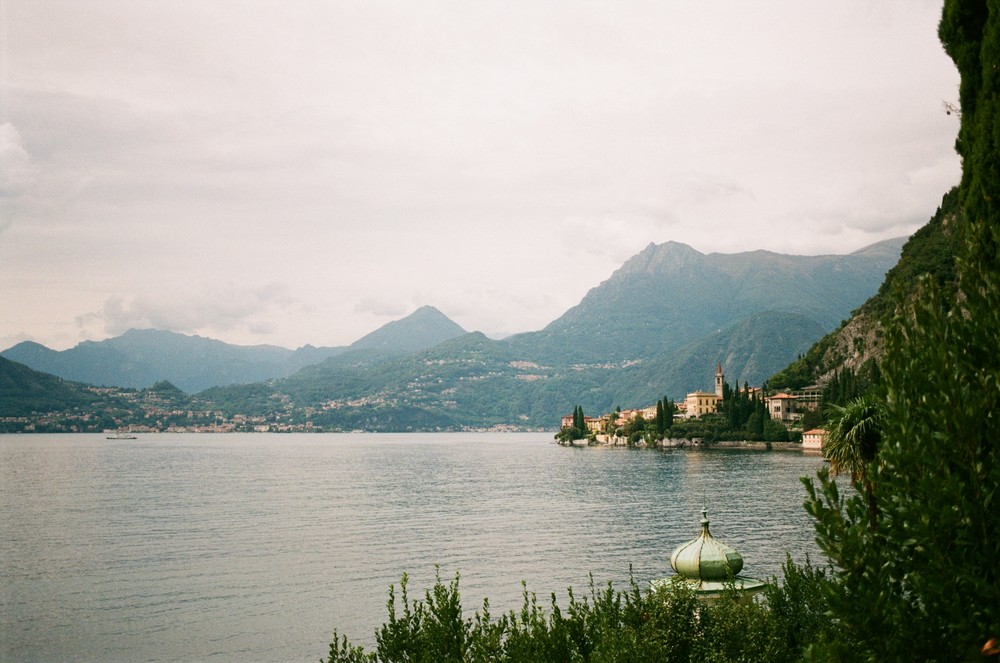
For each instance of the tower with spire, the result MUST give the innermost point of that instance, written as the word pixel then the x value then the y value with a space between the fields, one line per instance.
pixel 719 379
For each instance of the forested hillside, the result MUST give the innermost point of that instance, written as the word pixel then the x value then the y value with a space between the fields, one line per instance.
pixel 929 251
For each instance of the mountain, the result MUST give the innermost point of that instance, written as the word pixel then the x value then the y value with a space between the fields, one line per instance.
pixel 859 339
pixel 422 329
pixel 140 357
pixel 24 391
pixel 657 327
pixel 670 295
pixel 751 350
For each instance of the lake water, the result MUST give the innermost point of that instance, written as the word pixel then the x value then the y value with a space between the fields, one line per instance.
pixel 254 547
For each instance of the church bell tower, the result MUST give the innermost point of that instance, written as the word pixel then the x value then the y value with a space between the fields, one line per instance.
pixel 719 379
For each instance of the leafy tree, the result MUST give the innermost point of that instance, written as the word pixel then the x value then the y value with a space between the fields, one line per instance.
pixel 812 419
pixel 612 424
pixel 669 410
pixel 922 580
pixel 852 436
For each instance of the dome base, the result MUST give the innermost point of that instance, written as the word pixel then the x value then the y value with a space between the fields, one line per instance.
pixel 712 589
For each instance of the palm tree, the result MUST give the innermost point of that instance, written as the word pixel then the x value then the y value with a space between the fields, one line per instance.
pixel 853 434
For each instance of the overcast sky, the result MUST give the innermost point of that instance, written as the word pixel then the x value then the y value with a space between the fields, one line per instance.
pixel 296 172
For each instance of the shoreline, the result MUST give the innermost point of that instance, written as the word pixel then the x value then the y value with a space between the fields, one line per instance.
pixel 682 443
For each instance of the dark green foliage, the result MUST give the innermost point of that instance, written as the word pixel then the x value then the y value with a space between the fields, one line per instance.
pixel 669 410
pixel 846 384
pixel 921 579
pixel 578 430
pixel 605 626
pixel 23 391
pixel 165 387
pixel 930 251
pixel 740 406
pixel 742 416
pixel 970 34
pixel 805 369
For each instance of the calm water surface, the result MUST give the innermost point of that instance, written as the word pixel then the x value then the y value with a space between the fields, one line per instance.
pixel 254 547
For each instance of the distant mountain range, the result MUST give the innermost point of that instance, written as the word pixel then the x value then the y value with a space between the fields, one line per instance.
pixel 656 327
pixel 141 357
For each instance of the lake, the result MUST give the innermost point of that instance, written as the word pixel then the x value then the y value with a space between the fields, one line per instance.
pixel 255 547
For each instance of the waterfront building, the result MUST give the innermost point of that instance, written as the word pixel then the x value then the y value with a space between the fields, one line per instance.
pixel 595 424
pixel 782 407
pixel 813 439
pixel 701 402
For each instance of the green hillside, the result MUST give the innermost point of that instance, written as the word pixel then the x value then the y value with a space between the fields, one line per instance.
pixel 24 391
pixel 931 251
pixel 670 295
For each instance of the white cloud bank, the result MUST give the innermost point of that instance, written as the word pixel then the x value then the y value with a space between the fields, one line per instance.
pixel 302 172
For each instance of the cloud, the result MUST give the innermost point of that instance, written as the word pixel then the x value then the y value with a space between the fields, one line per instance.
pixel 18 173
pixel 493 159
pixel 211 312
pixel 382 306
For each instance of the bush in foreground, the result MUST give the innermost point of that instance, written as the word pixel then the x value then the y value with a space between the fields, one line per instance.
pixel 608 625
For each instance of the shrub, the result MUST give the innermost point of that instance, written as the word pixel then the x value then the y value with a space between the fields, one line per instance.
pixel 666 624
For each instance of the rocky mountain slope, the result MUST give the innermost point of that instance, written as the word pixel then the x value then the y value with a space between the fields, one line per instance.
pixel 859 339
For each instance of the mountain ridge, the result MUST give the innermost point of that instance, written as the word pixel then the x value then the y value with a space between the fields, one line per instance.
pixel 141 357
pixel 656 326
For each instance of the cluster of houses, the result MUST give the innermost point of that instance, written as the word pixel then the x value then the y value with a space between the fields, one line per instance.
pixel 783 406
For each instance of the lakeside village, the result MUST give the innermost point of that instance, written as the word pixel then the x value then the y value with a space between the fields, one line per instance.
pixel 742 415
pixel 746 415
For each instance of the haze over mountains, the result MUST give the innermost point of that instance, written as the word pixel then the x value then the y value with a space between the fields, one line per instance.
pixel 140 357
pixel 656 327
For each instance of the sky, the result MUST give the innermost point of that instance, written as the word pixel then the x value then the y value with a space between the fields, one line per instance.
pixel 302 172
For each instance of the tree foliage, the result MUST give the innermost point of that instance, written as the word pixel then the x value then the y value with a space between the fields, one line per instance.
pixel 922 580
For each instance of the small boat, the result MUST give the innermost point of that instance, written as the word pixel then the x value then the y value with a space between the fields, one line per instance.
pixel 122 436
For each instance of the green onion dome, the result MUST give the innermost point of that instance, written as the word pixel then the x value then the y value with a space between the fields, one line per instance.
pixel 706 558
